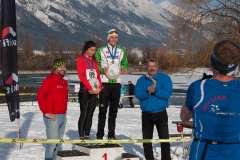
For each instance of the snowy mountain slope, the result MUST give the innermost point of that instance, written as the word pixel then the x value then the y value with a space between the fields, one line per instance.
pixel 138 21
pixel 169 7
pixel 175 10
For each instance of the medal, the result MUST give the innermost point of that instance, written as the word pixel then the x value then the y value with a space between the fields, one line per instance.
pixel 113 56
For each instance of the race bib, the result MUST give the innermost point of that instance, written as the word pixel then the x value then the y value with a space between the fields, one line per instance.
pixel 91 74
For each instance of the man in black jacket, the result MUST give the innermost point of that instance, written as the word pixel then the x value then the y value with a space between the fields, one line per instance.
pixel 131 92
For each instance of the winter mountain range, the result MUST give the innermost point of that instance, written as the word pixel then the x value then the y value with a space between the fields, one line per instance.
pixel 138 21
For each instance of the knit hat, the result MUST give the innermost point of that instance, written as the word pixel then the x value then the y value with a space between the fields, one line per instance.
pixel 112 32
pixel 58 62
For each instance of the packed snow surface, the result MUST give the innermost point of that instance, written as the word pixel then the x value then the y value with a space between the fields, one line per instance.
pixel 32 126
pixel 128 125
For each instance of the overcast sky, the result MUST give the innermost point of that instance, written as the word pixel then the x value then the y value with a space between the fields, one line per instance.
pixel 159 1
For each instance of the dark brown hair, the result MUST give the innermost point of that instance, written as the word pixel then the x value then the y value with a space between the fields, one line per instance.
pixel 227 52
pixel 86 46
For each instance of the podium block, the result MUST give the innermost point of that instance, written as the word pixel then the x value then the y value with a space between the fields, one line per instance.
pixel 72 155
pixel 104 152
pixel 127 156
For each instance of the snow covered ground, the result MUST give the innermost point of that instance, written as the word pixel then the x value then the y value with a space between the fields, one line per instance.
pixel 128 126
pixel 32 126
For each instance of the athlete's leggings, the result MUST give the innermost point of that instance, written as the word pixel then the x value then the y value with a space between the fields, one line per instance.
pixel 110 92
pixel 87 107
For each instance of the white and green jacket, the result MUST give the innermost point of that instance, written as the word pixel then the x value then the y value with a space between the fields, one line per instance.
pixel 104 59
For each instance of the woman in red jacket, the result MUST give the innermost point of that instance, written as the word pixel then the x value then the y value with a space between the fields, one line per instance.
pixel 90 86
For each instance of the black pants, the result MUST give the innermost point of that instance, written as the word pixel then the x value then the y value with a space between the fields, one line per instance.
pixel 110 92
pixel 131 102
pixel 159 119
pixel 87 107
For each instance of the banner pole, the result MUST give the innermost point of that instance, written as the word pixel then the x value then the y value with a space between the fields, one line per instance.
pixel 19 132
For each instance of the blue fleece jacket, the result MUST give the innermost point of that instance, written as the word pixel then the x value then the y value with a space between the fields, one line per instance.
pixel 158 101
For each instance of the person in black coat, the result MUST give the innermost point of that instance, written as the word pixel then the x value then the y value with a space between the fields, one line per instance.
pixel 131 92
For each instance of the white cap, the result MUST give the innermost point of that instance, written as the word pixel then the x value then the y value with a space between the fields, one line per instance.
pixel 109 35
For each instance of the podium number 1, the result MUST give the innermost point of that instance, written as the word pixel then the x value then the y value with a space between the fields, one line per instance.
pixel 105 156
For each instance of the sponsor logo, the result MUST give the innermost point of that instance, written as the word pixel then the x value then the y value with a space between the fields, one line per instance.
pixel 59 86
pixel 8 42
pixel 209 102
pixel 8 30
pixel 214 108
pixel 12 88
pixel 107 52
pixel 11 78
pixel 109 57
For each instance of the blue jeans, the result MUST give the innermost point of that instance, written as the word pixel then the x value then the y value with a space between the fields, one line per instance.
pixel 54 130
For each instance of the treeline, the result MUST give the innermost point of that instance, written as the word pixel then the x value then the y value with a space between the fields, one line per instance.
pixel 32 57
pixel 198 26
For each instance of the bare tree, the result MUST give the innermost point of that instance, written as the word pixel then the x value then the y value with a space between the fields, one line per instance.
pixel 35 44
pixel 161 58
pixel 131 56
pixel 197 27
pixel 146 51
pixel 99 40
pixel 27 47
pixel 60 49
pixel 52 45
pixel 75 49
pixel 20 40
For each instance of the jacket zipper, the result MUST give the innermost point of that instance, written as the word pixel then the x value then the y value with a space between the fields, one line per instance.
pixel 53 108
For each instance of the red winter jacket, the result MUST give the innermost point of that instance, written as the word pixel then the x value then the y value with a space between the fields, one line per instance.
pixel 53 95
pixel 81 68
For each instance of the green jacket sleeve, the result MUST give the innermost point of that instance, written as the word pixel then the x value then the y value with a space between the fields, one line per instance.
pixel 98 57
pixel 124 61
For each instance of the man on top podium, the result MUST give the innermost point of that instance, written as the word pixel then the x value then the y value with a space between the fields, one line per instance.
pixel 112 62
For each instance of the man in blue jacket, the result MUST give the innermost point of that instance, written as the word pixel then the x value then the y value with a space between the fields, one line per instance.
pixel 153 90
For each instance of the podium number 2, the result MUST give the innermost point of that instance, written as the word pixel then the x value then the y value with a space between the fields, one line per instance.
pixel 105 156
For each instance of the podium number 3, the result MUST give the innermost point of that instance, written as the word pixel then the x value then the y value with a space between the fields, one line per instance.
pixel 105 156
